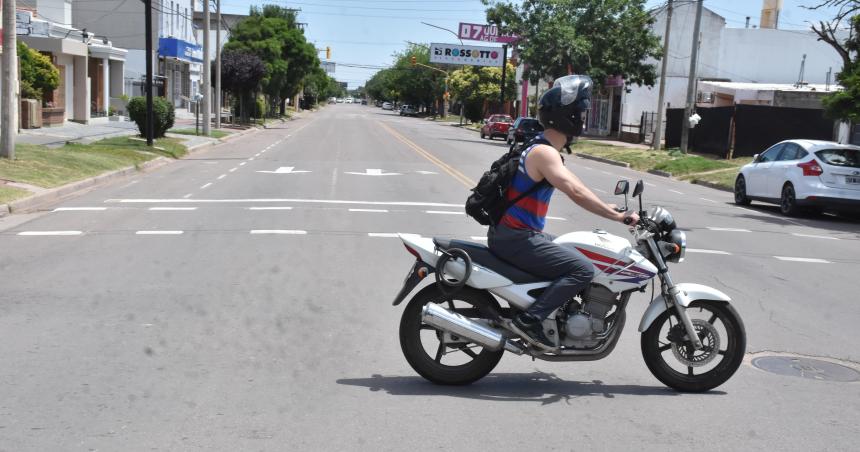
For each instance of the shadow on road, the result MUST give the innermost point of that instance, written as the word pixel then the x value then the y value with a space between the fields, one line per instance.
pixel 540 387
pixel 770 214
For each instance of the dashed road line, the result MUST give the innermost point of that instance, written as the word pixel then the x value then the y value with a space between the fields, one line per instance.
pixel 222 176
pixel 172 208
pixel 556 218
pixel 205 186
pixel 650 184
pixel 233 169
pixel 694 250
pixel 811 260
pixel 278 231
pixel 187 196
pixel 271 208
pixel 243 163
pixel 163 232
pixel 444 212
pixel 600 191
pixel 709 200
pixel 369 210
pixel 812 236
pixel 384 234
pixel 676 191
pixel 729 229
pixel 78 209
pixel 271 200
pixel 49 233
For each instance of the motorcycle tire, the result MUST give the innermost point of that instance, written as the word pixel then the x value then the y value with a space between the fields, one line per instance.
pixel 732 356
pixel 431 367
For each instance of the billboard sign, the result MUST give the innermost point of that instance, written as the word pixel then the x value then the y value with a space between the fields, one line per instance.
pixel 465 55
pixel 487 33
pixel 328 66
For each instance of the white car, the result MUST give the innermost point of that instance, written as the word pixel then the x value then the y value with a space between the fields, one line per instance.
pixel 387 106
pixel 349 100
pixel 800 175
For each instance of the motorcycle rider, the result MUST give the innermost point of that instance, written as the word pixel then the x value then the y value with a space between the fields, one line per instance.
pixel 519 238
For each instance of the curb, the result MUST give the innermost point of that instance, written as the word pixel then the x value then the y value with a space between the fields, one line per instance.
pixel 657 172
pixel 711 185
pixel 603 160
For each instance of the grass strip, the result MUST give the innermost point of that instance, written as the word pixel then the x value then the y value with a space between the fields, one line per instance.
pixel 53 167
pixel 214 133
pixel 725 178
pixel 9 194
pixel 671 161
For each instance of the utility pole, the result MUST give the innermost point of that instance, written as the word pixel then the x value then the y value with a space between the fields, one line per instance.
pixel 218 66
pixel 9 110
pixel 691 82
pixel 504 69
pixel 658 134
pixel 150 117
pixel 207 61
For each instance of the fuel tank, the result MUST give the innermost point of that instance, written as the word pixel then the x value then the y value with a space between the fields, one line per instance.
pixel 617 265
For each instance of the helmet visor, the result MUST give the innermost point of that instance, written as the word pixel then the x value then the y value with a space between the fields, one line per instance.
pixel 575 87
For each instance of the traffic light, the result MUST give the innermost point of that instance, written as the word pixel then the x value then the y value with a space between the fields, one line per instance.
pixel 328 53
pixel 414 60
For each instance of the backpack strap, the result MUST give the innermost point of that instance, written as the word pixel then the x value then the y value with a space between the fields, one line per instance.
pixel 543 183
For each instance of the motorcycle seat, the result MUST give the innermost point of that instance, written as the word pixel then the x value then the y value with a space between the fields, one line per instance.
pixel 481 255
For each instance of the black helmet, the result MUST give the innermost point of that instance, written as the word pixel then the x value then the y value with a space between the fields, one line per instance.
pixel 562 107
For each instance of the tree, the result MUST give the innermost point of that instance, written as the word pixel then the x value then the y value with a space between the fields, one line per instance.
pixel 478 87
pixel 382 87
pixel 318 86
pixel 272 33
pixel 38 74
pixel 581 36
pixel 828 31
pixel 241 75
pixel 844 105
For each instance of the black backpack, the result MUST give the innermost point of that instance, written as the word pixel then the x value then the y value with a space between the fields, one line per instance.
pixel 487 203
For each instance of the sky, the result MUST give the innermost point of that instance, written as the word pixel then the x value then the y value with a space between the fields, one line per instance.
pixel 369 32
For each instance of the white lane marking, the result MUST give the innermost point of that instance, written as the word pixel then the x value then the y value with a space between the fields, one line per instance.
pixel 245 163
pixel 812 236
pixel 130 184
pixel 296 200
pixel 285 170
pixel 600 191
pixel 78 209
pixel 50 233
pixel 676 191
pixel 729 229
pixel 384 234
pixel 278 231
pixel 556 218
pixel 257 154
pixel 159 232
pixel 709 200
pixel 606 172
pixel 426 172
pixel 187 196
pixel 369 210
pixel 172 208
pixel 444 212
pixel 586 167
pixel 373 172
pixel 694 250
pixel 251 158
pixel 270 208
pixel 478 238
pixel 204 186
pixel 803 259
pixel 222 176
pixel 646 183
pixel 233 169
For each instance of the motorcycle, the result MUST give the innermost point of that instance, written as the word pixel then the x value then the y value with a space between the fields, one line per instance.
pixel 455 332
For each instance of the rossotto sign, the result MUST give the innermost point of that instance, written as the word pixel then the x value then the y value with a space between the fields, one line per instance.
pixel 488 33
pixel 465 55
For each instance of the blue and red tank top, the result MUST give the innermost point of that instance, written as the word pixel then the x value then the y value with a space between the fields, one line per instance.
pixel 529 212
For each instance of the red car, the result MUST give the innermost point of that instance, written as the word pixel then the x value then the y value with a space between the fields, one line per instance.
pixel 496 125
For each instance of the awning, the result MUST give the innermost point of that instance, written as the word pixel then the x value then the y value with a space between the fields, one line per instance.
pixel 179 49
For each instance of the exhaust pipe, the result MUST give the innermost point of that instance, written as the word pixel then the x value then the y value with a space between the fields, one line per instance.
pixel 451 322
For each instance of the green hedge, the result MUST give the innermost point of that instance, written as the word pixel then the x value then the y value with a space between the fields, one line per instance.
pixel 162 112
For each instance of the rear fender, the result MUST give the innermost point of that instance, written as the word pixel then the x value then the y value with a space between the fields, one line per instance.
pixel 481 277
pixel 689 293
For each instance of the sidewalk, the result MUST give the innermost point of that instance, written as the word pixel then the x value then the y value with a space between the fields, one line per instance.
pixel 614 142
pixel 72 131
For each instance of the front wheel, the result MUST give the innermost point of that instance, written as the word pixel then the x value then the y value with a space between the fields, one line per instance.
pixel 741 198
pixel 441 357
pixel 671 358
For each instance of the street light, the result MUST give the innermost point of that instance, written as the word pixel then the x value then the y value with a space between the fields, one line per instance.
pixel 443 28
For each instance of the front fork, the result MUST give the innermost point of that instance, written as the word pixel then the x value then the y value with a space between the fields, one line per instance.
pixel 678 298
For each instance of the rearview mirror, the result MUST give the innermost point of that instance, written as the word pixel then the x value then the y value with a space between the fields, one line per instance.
pixel 622 187
pixel 637 190
pixel 755 158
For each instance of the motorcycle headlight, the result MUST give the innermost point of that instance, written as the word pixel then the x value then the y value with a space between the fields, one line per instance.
pixel 663 219
pixel 679 238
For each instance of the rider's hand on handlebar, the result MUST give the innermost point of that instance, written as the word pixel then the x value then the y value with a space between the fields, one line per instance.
pixel 630 218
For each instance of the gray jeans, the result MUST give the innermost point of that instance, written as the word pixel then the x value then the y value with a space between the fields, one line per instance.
pixel 536 253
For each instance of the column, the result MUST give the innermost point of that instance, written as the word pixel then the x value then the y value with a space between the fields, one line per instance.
pixel 106 83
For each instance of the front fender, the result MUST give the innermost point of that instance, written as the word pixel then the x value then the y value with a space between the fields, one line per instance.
pixel 689 293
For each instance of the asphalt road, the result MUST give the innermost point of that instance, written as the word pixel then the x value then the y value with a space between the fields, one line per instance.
pixel 241 300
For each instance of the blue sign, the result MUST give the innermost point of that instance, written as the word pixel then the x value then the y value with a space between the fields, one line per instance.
pixel 179 49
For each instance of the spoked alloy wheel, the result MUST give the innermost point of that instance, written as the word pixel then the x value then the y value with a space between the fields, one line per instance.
pixel 441 357
pixel 674 361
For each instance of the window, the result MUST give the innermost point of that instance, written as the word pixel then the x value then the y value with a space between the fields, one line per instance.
pixel 840 157
pixel 791 151
pixel 770 154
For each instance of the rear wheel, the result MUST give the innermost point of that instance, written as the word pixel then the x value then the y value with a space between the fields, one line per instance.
pixel 671 358
pixel 741 198
pixel 788 201
pixel 482 135
pixel 441 357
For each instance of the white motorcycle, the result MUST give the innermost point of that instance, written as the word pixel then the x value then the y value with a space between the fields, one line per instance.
pixel 456 331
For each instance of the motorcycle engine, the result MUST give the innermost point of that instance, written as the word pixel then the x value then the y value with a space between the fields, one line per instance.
pixel 581 326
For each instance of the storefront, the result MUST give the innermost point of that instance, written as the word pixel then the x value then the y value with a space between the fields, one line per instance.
pixel 179 63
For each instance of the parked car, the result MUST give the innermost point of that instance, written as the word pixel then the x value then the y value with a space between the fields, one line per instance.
pixel 340 100
pixel 408 110
pixel 349 100
pixel 379 103
pixel 496 125
pixel 387 106
pixel 363 101
pixel 523 129
pixel 332 100
pixel 803 175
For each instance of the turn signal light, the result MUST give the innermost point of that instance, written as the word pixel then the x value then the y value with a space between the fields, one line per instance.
pixel 811 168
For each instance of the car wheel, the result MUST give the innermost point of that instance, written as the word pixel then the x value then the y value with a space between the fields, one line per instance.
pixel 482 135
pixel 741 191
pixel 788 201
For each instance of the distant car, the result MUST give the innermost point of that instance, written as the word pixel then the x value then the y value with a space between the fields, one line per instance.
pixel 387 106
pixel 332 100
pixel 348 100
pixel 363 101
pixel 523 130
pixel 408 110
pixel 496 125
pixel 340 100
pixel 803 175
pixel 379 103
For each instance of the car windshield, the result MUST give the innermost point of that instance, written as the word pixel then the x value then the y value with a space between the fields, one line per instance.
pixel 501 118
pixel 531 124
pixel 849 158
